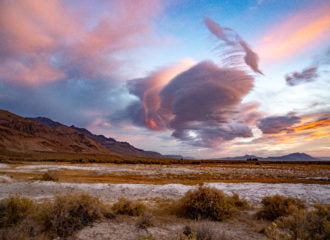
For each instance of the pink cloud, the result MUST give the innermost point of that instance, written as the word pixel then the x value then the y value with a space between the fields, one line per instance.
pixel 44 41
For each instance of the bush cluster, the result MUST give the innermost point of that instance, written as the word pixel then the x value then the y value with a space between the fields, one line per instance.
pixel 21 218
pixel 303 225
pixel 209 203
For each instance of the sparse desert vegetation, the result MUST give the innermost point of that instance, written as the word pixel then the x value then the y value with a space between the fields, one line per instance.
pixel 81 216
pixel 139 201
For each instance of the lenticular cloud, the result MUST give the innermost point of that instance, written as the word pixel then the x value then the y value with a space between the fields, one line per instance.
pixel 198 102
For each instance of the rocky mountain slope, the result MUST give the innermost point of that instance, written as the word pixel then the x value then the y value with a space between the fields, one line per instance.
pixel 18 134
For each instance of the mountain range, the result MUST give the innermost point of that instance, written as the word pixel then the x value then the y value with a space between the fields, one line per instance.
pixel 290 157
pixel 28 135
pixel 40 134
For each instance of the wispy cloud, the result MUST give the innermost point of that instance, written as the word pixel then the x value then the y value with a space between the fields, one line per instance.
pixel 236 45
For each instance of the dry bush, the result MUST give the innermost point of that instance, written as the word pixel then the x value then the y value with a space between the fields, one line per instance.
pixel 128 207
pixel 69 213
pixel 14 209
pixel 206 203
pixel 303 225
pixel 277 206
pixel 50 176
pixel 145 221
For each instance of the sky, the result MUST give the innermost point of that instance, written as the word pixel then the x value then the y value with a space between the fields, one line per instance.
pixel 204 78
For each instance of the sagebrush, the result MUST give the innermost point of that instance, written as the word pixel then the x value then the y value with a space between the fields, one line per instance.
pixel 277 206
pixel 208 203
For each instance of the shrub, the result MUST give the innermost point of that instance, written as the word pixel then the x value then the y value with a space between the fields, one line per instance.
pixel 303 225
pixel 145 221
pixel 14 209
pixel 277 206
pixel 128 207
pixel 70 212
pixel 206 203
pixel 50 176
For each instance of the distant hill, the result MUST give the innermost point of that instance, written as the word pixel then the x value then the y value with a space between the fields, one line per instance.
pixel 122 148
pixel 289 157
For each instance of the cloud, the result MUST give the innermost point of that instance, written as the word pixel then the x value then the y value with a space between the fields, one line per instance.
pixel 63 59
pixel 311 73
pixel 314 125
pixel 298 32
pixel 231 38
pixel 47 41
pixel 307 75
pixel 277 124
pixel 199 102
pixel 146 111
pixel 202 101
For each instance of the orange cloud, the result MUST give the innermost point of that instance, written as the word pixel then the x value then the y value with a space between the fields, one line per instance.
pixel 298 32
pixel 313 125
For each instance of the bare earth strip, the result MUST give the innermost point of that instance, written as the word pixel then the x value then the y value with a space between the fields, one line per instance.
pixel 254 192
